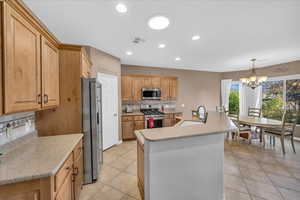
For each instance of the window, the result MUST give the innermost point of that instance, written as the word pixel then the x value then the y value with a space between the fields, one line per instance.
pixel 293 95
pixel 234 98
pixel 272 99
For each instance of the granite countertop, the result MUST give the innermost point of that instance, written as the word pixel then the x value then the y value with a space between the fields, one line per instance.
pixel 132 114
pixel 172 111
pixel 38 158
pixel 216 123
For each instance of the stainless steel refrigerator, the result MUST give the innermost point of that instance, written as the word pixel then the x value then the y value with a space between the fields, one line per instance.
pixel 92 128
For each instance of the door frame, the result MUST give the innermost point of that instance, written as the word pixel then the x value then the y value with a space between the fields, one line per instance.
pixel 116 77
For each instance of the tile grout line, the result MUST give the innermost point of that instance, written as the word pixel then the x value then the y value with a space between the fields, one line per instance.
pixel 250 195
pixel 282 197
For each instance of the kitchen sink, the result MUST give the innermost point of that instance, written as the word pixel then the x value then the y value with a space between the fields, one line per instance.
pixel 190 123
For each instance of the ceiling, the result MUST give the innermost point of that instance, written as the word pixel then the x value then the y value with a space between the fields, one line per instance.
pixel 232 31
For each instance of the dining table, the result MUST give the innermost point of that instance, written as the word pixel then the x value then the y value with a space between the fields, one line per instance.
pixel 259 122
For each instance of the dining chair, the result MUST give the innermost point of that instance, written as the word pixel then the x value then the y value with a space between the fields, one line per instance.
pixel 242 130
pixel 254 112
pixel 221 109
pixel 287 129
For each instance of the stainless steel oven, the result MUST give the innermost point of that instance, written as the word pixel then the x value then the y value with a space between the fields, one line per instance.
pixel 157 121
pixel 151 94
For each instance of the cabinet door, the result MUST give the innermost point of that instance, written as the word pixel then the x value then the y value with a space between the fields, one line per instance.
pixel 127 91
pixel 147 82
pixel 22 77
pixel 78 176
pixel 50 74
pixel 168 122
pixel 85 66
pixel 139 125
pixel 128 130
pixel 173 88
pixel 165 88
pixel 140 168
pixel 137 88
pixel 155 81
pixel 31 195
pixel 66 191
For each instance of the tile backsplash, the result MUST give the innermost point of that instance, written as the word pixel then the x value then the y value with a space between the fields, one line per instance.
pixel 136 105
pixel 15 126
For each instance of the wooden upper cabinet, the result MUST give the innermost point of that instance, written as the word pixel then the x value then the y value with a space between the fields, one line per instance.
pixel 133 84
pixel 155 81
pixel 173 88
pixel 50 74
pixel 138 84
pixel 126 89
pixel 147 82
pixel 85 65
pixel 165 88
pixel 151 81
pixel 22 78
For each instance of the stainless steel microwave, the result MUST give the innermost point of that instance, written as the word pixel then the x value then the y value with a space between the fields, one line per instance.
pixel 151 94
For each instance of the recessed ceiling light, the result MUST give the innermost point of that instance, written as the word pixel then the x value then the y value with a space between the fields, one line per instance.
pixel 158 22
pixel 129 53
pixel 196 37
pixel 177 59
pixel 121 8
pixel 161 46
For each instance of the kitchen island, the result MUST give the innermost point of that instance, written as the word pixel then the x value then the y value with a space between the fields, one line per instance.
pixel 184 161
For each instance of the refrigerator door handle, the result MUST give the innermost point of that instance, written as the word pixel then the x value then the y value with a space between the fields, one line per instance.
pixel 98 120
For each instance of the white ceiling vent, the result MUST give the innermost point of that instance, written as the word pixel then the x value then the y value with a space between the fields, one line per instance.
pixel 138 40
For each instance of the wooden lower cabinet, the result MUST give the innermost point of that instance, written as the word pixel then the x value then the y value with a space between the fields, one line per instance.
pixel 168 122
pixel 78 175
pixel 128 130
pixel 66 184
pixel 170 119
pixel 130 124
pixel 140 168
pixel 138 125
pixel 66 191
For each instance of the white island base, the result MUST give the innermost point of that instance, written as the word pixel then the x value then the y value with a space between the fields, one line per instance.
pixel 188 168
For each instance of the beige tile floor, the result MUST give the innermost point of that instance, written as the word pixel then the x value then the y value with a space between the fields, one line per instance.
pixel 250 173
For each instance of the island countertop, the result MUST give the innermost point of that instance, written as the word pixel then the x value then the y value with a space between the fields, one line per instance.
pixel 216 123
pixel 38 158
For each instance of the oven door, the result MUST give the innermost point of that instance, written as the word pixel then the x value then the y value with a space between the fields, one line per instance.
pixel 151 94
pixel 157 123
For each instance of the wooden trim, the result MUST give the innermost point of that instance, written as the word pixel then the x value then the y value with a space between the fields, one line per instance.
pixel 1 57
pixel 23 10
pixel 9 190
pixel 145 75
pixel 71 47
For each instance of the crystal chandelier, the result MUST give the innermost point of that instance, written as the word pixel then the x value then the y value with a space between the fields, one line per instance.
pixel 254 81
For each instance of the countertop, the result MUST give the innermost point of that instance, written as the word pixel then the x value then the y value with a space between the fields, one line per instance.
pixel 216 123
pixel 172 111
pixel 38 158
pixel 132 114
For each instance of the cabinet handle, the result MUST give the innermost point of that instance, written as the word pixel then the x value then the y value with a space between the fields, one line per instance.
pixel 75 171
pixel 68 168
pixel 39 98
pixel 46 98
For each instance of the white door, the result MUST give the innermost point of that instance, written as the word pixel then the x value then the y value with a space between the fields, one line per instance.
pixel 110 105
